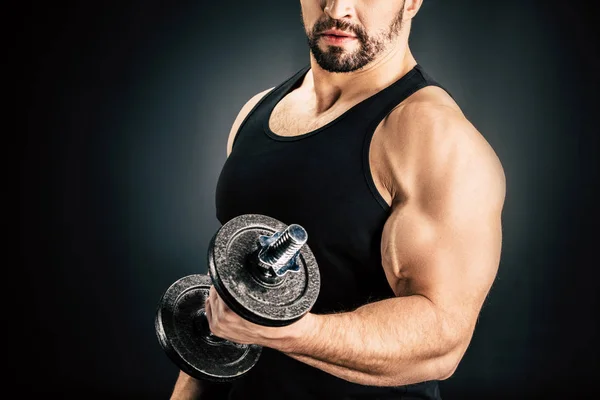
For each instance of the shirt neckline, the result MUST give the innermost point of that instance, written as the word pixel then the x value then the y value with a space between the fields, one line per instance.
pixel 294 84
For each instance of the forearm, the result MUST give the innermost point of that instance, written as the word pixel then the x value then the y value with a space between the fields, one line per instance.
pixel 187 388
pixel 387 343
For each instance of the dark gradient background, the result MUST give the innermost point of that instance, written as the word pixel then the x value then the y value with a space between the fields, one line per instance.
pixel 128 109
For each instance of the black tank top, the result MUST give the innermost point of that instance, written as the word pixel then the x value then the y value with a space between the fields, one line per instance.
pixel 320 180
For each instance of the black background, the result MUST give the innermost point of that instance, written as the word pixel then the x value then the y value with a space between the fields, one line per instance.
pixel 128 106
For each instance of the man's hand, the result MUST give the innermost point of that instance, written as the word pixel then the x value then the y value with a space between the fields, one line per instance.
pixel 226 324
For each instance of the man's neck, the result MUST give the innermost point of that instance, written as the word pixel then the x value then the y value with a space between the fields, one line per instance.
pixel 330 88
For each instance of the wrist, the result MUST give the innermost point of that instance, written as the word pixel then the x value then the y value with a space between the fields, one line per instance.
pixel 297 336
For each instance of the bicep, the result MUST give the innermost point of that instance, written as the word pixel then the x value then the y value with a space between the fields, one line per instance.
pixel 444 241
pixel 242 114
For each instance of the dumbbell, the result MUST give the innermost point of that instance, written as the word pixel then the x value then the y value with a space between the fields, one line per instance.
pixel 263 270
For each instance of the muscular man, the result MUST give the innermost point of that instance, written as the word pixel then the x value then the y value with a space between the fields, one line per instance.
pixel 401 197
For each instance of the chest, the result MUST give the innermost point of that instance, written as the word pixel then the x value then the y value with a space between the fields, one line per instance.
pixel 295 116
pixel 291 118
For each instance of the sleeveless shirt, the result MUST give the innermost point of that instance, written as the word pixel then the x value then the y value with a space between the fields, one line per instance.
pixel 322 181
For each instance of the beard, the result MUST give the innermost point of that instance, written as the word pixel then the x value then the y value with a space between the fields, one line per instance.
pixel 337 58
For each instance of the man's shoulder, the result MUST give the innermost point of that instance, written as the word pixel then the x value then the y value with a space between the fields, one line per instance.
pixel 242 114
pixel 251 103
pixel 428 132
pixel 427 106
pixel 431 117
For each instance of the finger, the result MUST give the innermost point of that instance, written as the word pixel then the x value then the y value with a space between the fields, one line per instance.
pixel 216 301
pixel 207 309
pixel 212 293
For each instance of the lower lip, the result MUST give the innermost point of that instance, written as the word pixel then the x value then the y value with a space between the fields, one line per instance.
pixel 338 39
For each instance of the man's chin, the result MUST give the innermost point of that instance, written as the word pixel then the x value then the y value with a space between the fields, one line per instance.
pixel 336 68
